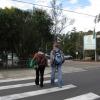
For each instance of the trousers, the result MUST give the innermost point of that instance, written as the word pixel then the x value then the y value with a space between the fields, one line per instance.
pixel 40 76
pixel 54 69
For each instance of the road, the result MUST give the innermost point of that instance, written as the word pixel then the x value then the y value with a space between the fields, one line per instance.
pixel 82 85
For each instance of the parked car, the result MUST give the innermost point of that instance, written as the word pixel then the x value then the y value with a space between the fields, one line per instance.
pixel 48 56
pixel 15 59
pixel 68 57
pixel 1 60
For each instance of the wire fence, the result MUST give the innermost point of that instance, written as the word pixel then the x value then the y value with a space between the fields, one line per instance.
pixel 10 64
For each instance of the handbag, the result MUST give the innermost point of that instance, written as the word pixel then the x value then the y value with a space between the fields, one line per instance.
pixel 33 64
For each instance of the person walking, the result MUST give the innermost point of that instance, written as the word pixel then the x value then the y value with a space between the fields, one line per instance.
pixel 56 61
pixel 41 60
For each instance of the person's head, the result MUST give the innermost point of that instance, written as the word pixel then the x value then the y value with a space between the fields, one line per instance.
pixel 56 44
pixel 40 49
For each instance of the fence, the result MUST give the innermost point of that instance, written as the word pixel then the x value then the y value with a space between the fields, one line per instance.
pixel 23 63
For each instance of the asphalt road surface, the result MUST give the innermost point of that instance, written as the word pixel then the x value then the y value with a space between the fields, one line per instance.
pixel 84 85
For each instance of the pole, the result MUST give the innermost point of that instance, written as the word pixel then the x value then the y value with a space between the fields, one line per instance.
pixel 83 48
pixel 95 43
pixel 95 56
pixel 95 49
pixel 83 54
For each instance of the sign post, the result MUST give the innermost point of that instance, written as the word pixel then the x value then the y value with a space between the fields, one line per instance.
pixel 76 55
pixel 90 43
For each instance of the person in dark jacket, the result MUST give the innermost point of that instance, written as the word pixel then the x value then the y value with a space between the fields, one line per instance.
pixel 42 63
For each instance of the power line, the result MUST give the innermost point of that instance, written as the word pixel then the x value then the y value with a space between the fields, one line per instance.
pixel 51 8
pixel 79 13
pixel 31 3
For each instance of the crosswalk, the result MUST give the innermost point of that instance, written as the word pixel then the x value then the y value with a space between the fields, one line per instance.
pixel 88 96
pixel 6 86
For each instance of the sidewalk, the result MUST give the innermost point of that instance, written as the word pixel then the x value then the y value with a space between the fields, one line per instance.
pixel 19 73
pixel 68 67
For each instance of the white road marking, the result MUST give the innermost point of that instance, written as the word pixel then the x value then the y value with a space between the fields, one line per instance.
pixel 35 93
pixel 88 96
pixel 19 79
pixel 21 85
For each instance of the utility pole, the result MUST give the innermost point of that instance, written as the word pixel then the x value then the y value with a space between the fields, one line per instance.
pixel 95 21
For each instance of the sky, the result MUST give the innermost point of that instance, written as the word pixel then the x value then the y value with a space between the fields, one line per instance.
pixel 82 22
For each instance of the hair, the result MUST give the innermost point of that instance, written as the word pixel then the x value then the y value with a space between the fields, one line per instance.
pixel 40 49
pixel 56 44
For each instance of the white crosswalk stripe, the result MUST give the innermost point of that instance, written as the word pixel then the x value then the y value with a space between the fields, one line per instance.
pixel 88 96
pixel 34 93
pixel 21 85
pixel 31 93
pixel 20 79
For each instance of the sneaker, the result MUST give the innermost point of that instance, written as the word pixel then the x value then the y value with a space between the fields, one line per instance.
pixel 60 86
pixel 36 83
pixel 41 85
pixel 52 82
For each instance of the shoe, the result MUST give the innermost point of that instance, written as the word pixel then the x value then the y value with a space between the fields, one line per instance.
pixel 36 83
pixel 41 85
pixel 52 82
pixel 60 86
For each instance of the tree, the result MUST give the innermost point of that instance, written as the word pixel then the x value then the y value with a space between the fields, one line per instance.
pixel 97 19
pixel 42 27
pixel 23 32
pixel 73 43
pixel 59 20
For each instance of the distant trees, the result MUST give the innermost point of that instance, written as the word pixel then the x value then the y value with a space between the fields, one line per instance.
pixel 42 28
pixel 73 43
pixel 97 19
pixel 24 31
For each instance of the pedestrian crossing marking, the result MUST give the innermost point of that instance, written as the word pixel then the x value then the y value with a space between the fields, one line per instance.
pixel 37 92
pixel 20 79
pixel 21 85
pixel 88 96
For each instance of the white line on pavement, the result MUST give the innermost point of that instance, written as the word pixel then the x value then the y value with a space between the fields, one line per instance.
pixel 19 79
pixel 88 96
pixel 35 93
pixel 21 85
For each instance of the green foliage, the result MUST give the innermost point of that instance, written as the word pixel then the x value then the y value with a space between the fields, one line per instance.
pixel 73 43
pixel 23 32
pixel 42 27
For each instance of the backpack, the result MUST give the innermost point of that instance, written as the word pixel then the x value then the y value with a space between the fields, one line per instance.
pixel 58 59
pixel 41 60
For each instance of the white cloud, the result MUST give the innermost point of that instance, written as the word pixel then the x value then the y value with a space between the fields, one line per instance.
pixel 10 3
pixel 5 3
pixel 43 2
pixel 82 22
pixel 73 1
